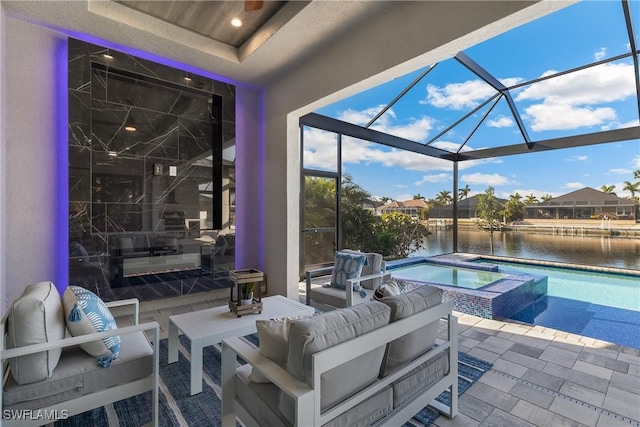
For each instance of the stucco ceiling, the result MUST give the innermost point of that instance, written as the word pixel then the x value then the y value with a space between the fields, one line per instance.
pixel 293 32
pixel 212 18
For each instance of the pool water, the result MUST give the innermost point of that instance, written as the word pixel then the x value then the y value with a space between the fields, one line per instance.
pixel 451 276
pixel 604 306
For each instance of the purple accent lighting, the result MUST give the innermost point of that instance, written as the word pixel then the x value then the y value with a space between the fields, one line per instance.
pixel 61 233
pixel 261 166
pixel 151 57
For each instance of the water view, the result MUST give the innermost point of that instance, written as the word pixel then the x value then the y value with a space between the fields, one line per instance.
pixel 596 251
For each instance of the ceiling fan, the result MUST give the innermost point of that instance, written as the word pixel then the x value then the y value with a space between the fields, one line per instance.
pixel 251 5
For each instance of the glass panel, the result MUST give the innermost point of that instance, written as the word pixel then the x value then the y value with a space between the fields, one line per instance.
pixel 362 107
pixel 576 35
pixel 319 248
pixel 594 99
pixel 320 150
pixel 444 96
pixel 498 129
pixel 320 219
pixel 319 202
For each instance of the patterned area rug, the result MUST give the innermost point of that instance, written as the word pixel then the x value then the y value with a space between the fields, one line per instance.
pixel 178 408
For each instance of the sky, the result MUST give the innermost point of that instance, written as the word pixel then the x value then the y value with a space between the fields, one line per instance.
pixel 595 99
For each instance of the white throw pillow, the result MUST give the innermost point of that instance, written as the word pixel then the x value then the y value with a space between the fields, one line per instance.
pixel 273 336
pixel 35 317
pixel 388 289
pixel 86 313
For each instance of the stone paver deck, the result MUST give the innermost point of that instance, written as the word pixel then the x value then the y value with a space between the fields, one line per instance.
pixel 540 376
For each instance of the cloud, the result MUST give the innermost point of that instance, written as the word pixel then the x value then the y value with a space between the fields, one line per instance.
pixel 403 197
pixel 400 186
pixel 485 179
pixel 432 179
pixel 619 125
pixel 600 54
pixel 414 128
pixel 578 158
pixel 501 122
pixel 621 171
pixel 570 101
pixel 564 117
pixel 636 161
pixel 457 96
pixel 574 185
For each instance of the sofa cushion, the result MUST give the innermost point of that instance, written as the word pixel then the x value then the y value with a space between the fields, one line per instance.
pixel 35 317
pixel 85 313
pixel 310 336
pixel 261 401
pixel 420 378
pixel 347 266
pixel 77 374
pixel 337 297
pixel 372 266
pixel 412 345
pixel 273 336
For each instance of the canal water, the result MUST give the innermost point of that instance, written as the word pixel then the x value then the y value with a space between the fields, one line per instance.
pixel 595 251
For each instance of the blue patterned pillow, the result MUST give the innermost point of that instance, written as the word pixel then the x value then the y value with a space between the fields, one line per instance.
pixel 86 313
pixel 347 266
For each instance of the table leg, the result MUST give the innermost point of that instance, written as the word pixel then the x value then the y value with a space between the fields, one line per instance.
pixel 173 342
pixel 196 366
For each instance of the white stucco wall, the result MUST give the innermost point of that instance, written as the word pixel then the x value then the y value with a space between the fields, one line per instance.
pixel 249 179
pixel 3 270
pixel 29 131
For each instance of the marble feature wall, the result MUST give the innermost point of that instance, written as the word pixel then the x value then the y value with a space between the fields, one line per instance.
pixel 151 210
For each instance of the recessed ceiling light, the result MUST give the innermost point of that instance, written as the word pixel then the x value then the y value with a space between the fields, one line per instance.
pixel 107 56
pixel 236 22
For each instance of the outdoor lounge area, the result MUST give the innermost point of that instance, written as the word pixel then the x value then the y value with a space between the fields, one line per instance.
pixel 149 151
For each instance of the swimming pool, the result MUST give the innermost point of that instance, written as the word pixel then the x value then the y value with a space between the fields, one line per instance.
pixel 452 276
pixel 472 288
pixel 599 305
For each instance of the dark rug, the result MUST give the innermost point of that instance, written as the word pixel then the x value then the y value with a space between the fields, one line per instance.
pixel 179 408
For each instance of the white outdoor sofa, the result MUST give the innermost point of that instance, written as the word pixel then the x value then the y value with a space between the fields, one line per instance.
pixel 77 383
pixel 375 363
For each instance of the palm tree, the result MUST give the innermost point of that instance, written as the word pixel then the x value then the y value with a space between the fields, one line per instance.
pixel 418 197
pixel 530 200
pixel 632 187
pixel 463 192
pixel 608 189
pixel 547 197
pixel 636 174
pixel 444 197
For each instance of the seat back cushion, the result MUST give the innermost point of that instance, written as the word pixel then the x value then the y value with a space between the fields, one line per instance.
pixel 310 336
pixel 86 313
pixel 372 266
pixel 273 335
pixel 412 345
pixel 35 317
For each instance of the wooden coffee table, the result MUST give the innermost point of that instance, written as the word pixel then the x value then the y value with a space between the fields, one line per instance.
pixel 212 325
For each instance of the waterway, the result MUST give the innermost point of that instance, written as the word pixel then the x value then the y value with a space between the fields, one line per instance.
pixel 595 251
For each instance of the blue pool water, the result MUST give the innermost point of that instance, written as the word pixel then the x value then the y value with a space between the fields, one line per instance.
pixel 604 306
pixel 452 276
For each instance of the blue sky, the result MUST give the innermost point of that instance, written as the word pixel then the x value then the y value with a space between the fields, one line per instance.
pixel 595 99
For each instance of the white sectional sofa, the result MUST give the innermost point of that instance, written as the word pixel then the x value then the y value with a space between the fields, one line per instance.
pixel 375 363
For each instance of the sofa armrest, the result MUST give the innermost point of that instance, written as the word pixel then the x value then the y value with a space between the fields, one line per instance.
pixel 125 303
pixel 310 274
pixel 81 339
pixel 299 391
pixel 350 282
